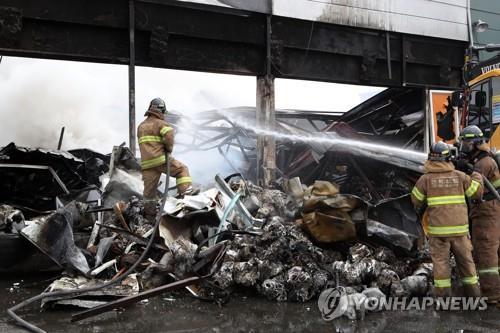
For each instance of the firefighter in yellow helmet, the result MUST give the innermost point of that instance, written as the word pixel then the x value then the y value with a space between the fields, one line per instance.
pixel 485 214
pixel 444 190
pixel 156 138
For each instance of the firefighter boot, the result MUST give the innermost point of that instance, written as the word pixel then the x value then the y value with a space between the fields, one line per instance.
pixel 472 290
pixel 442 292
pixel 186 189
pixel 489 287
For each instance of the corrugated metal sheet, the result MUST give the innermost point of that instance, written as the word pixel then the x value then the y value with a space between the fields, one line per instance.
pixel 434 18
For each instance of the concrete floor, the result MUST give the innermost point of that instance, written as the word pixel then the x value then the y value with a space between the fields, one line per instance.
pixel 181 313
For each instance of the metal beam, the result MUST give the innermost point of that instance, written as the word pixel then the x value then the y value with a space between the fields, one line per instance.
pixel 181 35
pixel 131 78
pixel 266 118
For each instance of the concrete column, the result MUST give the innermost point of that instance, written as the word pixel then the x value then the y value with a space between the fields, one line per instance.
pixel 266 119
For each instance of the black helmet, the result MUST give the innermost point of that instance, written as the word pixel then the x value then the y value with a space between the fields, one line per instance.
pixel 472 133
pixel 157 105
pixel 469 138
pixel 440 151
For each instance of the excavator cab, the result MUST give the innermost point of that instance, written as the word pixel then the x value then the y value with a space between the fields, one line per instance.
pixel 484 106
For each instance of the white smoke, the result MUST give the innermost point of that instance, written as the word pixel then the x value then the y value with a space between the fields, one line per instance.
pixel 37 100
pixel 189 93
pixel 204 164
pixel 38 97
pixel 332 141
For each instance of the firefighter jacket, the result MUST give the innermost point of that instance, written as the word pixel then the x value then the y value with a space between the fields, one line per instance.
pixel 486 165
pixel 156 138
pixel 444 190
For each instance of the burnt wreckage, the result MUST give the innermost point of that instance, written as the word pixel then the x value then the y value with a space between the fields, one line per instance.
pixel 338 215
pixel 394 117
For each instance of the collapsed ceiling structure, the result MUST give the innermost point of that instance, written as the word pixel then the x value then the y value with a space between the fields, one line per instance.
pixel 387 130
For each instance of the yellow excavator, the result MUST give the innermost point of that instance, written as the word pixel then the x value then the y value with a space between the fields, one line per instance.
pixel 477 103
pixel 480 99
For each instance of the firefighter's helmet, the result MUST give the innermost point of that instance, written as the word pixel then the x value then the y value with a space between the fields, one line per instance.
pixel 469 138
pixel 157 105
pixel 472 133
pixel 440 151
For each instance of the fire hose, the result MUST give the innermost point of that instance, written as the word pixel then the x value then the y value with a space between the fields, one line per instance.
pixel 491 188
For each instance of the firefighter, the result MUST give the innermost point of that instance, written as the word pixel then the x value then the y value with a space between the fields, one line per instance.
pixel 444 190
pixel 485 214
pixel 156 138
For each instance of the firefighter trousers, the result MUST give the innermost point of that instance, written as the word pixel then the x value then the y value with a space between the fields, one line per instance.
pixel 486 240
pixel 461 247
pixel 151 177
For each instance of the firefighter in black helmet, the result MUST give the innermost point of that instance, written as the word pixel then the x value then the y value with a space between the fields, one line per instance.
pixel 485 215
pixel 444 190
pixel 158 105
pixel 470 138
pixel 440 151
pixel 156 137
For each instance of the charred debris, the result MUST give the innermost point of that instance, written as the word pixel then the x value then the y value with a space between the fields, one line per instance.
pixel 394 117
pixel 334 217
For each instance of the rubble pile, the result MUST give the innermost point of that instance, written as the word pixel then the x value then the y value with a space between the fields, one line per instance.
pixel 284 265
pixel 288 243
pixel 268 202
pixel 127 220
pixel 33 178
pixel 283 262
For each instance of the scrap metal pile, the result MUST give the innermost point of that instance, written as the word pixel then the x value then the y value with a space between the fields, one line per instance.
pixel 295 259
pixel 355 228
pixel 35 183
pixel 286 244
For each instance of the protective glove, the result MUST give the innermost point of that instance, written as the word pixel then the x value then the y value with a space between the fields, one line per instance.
pixel 464 166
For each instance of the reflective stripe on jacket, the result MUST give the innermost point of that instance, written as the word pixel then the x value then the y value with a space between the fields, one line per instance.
pixel 155 137
pixel 445 190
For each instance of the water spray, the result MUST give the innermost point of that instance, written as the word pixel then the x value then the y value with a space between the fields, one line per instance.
pixel 326 141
